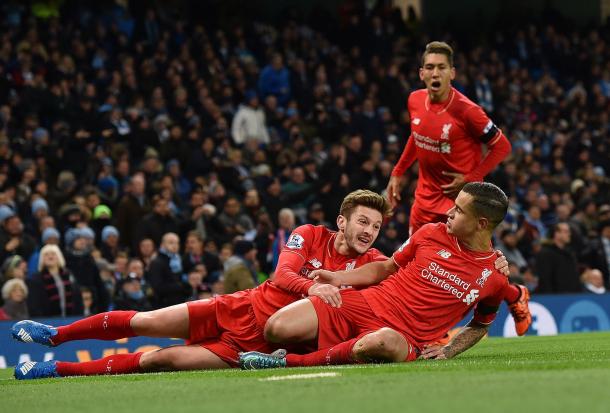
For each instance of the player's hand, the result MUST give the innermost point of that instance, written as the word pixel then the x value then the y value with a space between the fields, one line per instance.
pixel 433 351
pixel 393 190
pixel 325 277
pixel 454 187
pixel 327 293
pixel 501 263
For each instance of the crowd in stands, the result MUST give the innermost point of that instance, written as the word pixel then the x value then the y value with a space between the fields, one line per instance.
pixel 147 160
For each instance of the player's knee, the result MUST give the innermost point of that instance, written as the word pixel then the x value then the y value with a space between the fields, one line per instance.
pixel 141 322
pixel 157 360
pixel 383 345
pixel 277 330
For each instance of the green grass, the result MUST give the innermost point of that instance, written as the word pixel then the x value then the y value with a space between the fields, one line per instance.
pixel 567 373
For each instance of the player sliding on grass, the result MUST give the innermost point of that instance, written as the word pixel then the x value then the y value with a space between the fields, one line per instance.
pixel 447 134
pixel 219 328
pixel 439 274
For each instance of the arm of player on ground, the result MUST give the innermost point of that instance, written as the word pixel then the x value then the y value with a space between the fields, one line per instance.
pixel 480 126
pixel 377 271
pixel 292 258
pixel 485 312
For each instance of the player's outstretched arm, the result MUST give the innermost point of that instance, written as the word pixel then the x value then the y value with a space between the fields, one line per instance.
pixel 466 338
pixel 369 274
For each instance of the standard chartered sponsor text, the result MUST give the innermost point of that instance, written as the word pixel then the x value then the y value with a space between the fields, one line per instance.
pixel 439 276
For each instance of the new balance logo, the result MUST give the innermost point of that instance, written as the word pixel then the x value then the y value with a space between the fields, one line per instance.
pixel 350 266
pixel 27 367
pixel 25 336
pixel 444 253
pixel 416 121
pixel 471 296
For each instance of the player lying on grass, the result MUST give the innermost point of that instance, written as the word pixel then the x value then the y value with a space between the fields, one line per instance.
pixel 218 328
pixel 438 276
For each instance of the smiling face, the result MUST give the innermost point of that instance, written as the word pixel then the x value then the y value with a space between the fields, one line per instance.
pixel 437 74
pixel 361 228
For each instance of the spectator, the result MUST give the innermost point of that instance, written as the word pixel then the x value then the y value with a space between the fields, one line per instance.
pixel 79 245
pixel 160 221
pixel 131 295
pixel 240 269
pixel 234 221
pixel 555 265
pixel 195 255
pixel 110 243
pixel 508 246
pixel 13 240
pixel 598 256
pixel 132 207
pixel 49 236
pixel 287 223
pixel 13 267
pixel 14 295
pixel 593 281
pixel 166 275
pixel 147 252
pixel 275 80
pixel 53 290
pixel 249 122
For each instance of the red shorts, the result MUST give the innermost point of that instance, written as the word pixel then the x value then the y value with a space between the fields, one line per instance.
pixel 226 325
pixel 418 218
pixel 354 319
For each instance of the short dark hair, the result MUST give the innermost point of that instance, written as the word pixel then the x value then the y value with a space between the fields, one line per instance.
pixel 438 48
pixel 365 198
pixel 489 201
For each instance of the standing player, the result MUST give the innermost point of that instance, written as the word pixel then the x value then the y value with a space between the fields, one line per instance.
pixel 447 134
pixel 220 327
pixel 439 274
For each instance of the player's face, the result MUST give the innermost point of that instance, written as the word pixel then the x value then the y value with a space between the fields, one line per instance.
pixel 361 229
pixel 461 221
pixel 437 74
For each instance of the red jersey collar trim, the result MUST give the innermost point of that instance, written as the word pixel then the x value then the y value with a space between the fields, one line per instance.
pixel 445 107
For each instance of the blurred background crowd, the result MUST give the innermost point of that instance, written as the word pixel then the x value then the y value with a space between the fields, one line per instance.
pixel 148 158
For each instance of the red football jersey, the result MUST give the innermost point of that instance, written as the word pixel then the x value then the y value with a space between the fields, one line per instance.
pixel 447 136
pixel 437 284
pixel 308 248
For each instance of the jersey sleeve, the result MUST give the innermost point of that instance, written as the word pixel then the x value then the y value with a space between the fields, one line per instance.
pixel 291 260
pixel 406 252
pixel 485 131
pixel 486 310
pixel 479 126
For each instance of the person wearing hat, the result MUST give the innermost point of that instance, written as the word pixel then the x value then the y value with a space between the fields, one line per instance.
pixel 110 243
pixel 240 268
pixel 78 247
pixel 13 267
pixel 101 217
pixel 131 295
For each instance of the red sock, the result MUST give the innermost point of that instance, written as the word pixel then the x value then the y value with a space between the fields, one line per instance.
pixel 511 293
pixel 115 364
pixel 339 354
pixel 104 326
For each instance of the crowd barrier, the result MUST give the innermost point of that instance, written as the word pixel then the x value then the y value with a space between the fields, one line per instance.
pixel 552 314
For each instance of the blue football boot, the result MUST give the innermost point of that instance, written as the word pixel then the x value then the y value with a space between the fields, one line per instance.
pixel 28 331
pixel 253 360
pixel 36 370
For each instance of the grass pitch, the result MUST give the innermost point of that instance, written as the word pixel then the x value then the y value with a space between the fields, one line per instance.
pixel 567 373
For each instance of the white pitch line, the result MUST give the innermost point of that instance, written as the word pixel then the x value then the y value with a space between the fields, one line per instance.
pixel 299 376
